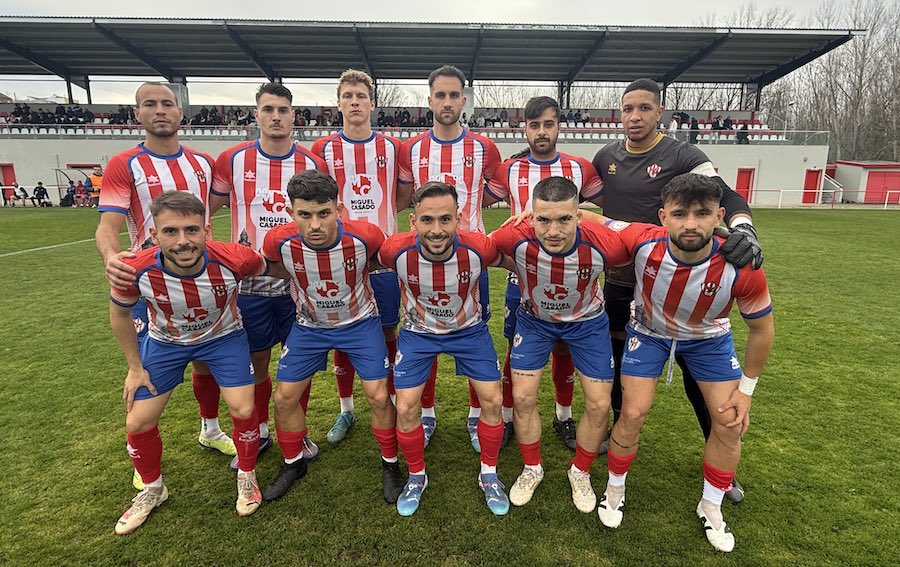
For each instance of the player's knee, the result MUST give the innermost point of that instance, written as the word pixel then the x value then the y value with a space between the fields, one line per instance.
pixel 491 399
pixel 407 410
pixel 523 401
pixel 633 417
pixel 135 423
pixel 242 410
pixel 729 437
pixel 286 400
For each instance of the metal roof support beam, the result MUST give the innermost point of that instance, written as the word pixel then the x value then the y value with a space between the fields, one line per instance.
pixel 362 50
pixel 144 57
pixel 49 65
pixel 683 67
pixel 260 63
pixel 779 72
pixel 474 67
pixel 582 63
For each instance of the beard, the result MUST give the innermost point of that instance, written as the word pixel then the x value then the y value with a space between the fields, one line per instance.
pixel 447 120
pixel 693 246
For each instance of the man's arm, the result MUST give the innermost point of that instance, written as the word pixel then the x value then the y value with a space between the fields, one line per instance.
pixel 216 202
pixel 404 194
pixel 123 330
pixel 760 337
pixel 277 270
pixel 119 274
pixel 504 261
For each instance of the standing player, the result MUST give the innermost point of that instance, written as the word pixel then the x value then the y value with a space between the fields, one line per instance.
pixel 685 291
pixel 634 172
pixel 452 154
pixel 515 182
pixel 439 269
pixel 366 167
pixel 328 260
pixel 190 286
pixel 133 179
pixel 559 261
pixel 252 177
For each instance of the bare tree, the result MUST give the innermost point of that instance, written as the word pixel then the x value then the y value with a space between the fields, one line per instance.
pixel 392 95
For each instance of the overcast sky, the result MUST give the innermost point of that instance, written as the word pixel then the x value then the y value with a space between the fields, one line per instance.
pixel 634 12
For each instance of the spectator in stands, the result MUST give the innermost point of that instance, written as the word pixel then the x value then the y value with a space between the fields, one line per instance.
pixel 727 124
pixel 716 127
pixel 586 116
pixel 694 131
pixel 71 190
pixel 504 116
pixel 743 136
pixel 81 195
pixel 88 116
pixel 18 194
pixel 480 121
pixel 673 126
pixel 17 113
pixel 570 117
pixel 39 195
pixel 578 116
pixel 307 115
pixel 429 118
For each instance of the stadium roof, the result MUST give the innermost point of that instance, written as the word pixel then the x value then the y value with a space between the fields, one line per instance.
pixel 79 48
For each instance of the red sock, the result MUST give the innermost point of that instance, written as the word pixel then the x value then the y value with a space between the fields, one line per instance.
pixel 473 397
pixel 207 393
pixel 246 440
pixel 531 453
pixel 290 442
pixel 718 478
pixel 392 355
pixel 562 368
pixel 343 374
pixel 145 450
pixel 506 383
pixel 583 458
pixel 387 440
pixel 412 444
pixel 304 397
pixel 262 393
pixel 619 464
pixel 428 392
pixel 490 436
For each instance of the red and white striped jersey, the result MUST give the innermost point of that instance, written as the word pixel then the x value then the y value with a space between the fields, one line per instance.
pixel 257 186
pixel 687 301
pixel 516 178
pixel 330 286
pixel 562 288
pixel 468 163
pixel 366 172
pixel 135 177
pixel 439 297
pixel 189 310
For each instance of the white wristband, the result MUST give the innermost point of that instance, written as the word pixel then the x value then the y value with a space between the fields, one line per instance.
pixel 747 384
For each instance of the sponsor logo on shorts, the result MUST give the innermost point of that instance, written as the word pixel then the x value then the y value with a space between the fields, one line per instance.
pixel 612 362
pixel 517 340
pixel 397 358
pixel 735 364
pixel 387 362
pixel 138 325
pixel 633 344
pixel 284 352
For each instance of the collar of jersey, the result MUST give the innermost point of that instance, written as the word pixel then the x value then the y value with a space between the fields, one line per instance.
pixel 421 255
pixel 162 156
pixel 285 156
pixel 549 162
pixel 439 141
pixel 340 234
pixel 562 254
pixel 659 137
pixel 352 141
pixel 159 262
pixel 715 249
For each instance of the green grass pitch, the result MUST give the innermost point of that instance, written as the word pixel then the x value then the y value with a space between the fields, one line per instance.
pixel 820 459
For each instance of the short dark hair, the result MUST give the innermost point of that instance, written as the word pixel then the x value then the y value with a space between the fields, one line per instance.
pixel 434 189
pixel 691 188
pixel 555 189
pixel 538 104
pixel 645 84
pixel 180 202
pixel 276 89
pixel 447 71
pixel 312 185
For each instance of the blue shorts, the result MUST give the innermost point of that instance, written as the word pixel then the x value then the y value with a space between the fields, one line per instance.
pixel 386 287
pixel 306 350
pixel 511 304
pixel 588 342
pixel 267 320
pixel 473 349
pixel 228 358
pixel 141 320
pixel 484 295
pixel 709 360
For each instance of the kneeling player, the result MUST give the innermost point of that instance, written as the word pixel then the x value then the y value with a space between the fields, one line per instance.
pixel 685 291
pixel 190 285
pixel 327 259
pixel 559 261
pixel 439 271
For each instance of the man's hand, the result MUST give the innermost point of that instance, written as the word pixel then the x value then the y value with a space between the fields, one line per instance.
pixel 517 219
pixel 741 246
pixel 740 402
pixel 133 381
pixel 119 274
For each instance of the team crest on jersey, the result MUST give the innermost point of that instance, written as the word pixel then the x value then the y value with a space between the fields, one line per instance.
pixel 381 161
pixel 195 314
pixel 611 170
pixel 249 175
pixel 584 273
pixel 517 340
pixel 710 288
pixel 219 290
pixel 633 344
pixel 349 264
pixel 653 170
pixel 464 276
pixel 469 161
pixel 274 201
pixel 570 177
pixel 201 175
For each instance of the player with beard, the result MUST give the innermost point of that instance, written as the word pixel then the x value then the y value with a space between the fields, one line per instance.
pixel 251 178
pixel 451 153
pixel 132 180
pixel 514 182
